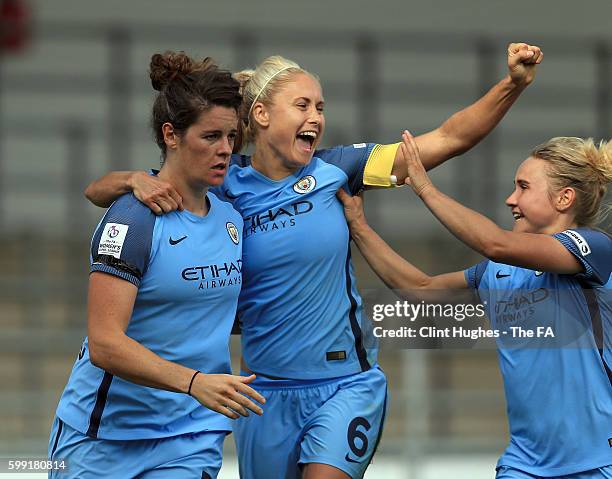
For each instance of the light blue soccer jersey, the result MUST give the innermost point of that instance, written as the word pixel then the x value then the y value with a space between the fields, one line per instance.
pixel 300 312
pixel 188 273
pixel 558 390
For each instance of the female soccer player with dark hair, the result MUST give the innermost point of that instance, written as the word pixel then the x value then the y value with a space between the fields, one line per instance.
pixel 559 392
pixel 162 299
pixel 300 312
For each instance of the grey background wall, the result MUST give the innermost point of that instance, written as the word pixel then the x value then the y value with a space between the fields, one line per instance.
pixel 433 68
pixel 520 17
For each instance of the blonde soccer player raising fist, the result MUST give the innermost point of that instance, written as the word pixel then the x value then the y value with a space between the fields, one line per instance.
pixel 555 389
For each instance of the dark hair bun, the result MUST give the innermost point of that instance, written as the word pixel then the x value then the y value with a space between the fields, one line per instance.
pixel 167 66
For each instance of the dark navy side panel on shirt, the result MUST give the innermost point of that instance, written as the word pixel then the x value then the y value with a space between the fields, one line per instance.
pixel 300 312
pixel 474 275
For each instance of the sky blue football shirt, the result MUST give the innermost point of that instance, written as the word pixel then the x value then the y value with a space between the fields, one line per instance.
pixel 558 391
pixel 188 273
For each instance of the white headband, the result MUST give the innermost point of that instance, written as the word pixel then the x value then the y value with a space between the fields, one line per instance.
pixel 264 87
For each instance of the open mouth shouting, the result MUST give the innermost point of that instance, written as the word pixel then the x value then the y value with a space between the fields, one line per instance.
pixel 306 140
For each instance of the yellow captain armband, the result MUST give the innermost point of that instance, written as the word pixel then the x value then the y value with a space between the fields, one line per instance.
pixel 379 167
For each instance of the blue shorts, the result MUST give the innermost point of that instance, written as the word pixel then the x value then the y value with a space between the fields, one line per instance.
pixel 504 472
pixel 188 456
pixel 336 422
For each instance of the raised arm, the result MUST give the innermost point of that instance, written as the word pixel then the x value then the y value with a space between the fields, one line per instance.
pixel 110 303
pixel 534 251
pixel 468 127
pixel 159 196
pixel 391 268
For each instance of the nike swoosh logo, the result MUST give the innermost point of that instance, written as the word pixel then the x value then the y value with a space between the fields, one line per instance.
pixel 349 459
pixel 173 242
pixel 499 276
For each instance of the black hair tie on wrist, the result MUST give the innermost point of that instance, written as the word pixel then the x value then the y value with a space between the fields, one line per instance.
pixel 191 383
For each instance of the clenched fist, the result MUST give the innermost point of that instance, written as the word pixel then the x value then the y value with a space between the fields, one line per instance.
pixel 522 61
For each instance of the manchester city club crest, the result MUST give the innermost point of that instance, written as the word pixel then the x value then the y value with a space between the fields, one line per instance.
pixel 233 232
pixel 305 185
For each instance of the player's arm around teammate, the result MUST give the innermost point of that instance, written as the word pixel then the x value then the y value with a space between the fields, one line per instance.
pixel 457 134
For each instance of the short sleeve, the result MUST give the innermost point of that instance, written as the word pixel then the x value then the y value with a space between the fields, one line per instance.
pixel 593 249
pixel 365 164
pixel 474 275
pixel 121 244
